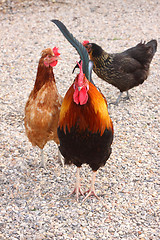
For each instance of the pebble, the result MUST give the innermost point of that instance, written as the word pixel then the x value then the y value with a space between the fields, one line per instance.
pixel 33 201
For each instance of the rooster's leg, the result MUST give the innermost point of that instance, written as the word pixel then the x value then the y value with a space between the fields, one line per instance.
pixel 91 191
pixel 77 188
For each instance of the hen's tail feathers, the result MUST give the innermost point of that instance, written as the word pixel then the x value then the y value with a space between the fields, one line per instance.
pixel 76 44
pixel 153 44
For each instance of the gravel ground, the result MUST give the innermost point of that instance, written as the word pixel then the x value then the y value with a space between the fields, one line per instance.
pixel 33 203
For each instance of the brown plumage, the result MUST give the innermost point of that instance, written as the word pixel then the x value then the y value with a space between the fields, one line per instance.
pixel 43 106
pixel 123 70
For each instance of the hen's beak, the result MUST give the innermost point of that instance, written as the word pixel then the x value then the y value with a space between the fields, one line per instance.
pixel 50 59
pixel 56 58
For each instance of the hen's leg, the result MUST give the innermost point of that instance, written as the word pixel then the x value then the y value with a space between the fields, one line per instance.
pixel 60 158
pixel 118 99
pixel 127 97
pixel 77 188
pixel 91 191
pixel 42 163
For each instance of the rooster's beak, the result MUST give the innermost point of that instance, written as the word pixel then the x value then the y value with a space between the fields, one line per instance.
pixel 79 88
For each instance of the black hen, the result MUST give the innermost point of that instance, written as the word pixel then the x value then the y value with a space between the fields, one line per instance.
pixel 123 70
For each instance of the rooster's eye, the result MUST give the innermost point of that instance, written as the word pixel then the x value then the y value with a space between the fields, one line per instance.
pixel 49 56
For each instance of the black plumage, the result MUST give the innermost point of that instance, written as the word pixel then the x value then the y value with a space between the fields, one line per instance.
pixel 123 70
pixel 85 147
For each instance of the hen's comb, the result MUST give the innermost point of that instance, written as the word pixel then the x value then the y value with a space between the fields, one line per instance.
pixel 55 51
pixel 85 42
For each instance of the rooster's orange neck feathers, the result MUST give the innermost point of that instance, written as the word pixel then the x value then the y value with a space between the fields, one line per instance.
pixel 92 116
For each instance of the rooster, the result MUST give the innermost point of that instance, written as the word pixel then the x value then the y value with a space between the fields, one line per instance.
pixel 43 106
pixel 123 70
pixel 85 129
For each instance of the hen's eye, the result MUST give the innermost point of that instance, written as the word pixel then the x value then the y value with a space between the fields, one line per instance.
pixel 49 56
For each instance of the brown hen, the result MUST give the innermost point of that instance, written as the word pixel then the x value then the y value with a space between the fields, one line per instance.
pixel 43 106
